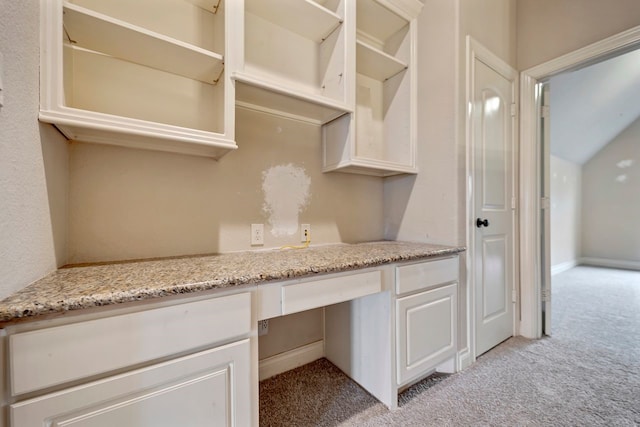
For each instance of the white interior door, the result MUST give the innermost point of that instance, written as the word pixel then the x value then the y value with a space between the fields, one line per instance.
pixel 493 125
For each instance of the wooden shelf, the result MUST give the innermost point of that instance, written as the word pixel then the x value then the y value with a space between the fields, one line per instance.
pixel 119 39
pixel 89 126
pixel 378 22
pixel 304 17
pixel 271 97
pixel 376 64
pixel 372 167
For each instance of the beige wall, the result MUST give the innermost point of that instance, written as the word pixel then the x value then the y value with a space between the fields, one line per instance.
pixel 566 209
pixel 29 224
pixel 423 207
pixel 611 199
pixel 548 29
pixel 130 204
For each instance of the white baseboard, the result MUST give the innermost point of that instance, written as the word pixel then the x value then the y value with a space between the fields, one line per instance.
pixel 563 266
pixel 291 359
pixel 464 359
pixel 611 263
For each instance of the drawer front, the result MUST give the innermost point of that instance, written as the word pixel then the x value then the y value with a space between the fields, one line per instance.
pixel 319 293
pixel 53 356
pixel 209 388
pixel 426 331
pixel 426 275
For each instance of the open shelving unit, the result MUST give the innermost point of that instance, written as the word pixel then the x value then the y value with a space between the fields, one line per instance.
pixel 116 79
pixel 380 138
pixel 293 61
pixel 168 75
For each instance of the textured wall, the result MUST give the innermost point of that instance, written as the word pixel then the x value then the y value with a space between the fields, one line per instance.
pixel 27 247
pixel 566 211
pixel 611 199
pixel 129 204
pixel 548 29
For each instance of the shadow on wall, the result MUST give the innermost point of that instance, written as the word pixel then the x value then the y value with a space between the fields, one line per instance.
pixel 55 154
pixel 397 202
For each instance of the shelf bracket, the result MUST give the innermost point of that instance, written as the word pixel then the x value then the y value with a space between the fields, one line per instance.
pixel 217 79
pixel 332 31
pixel 66 33
pixel 216 6
pixel 390 77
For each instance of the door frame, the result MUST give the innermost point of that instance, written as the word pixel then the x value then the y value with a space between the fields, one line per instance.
pixel 476 51
pixel 530 324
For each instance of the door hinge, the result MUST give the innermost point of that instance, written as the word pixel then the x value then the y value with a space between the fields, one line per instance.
pixel 513 203
pixel 514 110
pixel 514 296
pixel 545 111
pixel 546 295
pixel 545 203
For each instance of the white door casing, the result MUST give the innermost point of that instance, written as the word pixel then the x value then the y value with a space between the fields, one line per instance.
pixel 491 131
pixel 545 133
pixel 530 325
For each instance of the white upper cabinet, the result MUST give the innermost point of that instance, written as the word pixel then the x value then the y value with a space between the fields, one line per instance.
pixel 139 73
pixel 380 137
pixel 168 74
pixel 295 58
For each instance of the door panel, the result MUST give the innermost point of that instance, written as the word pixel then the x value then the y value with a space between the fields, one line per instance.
pixel 495 284
pixel 492 151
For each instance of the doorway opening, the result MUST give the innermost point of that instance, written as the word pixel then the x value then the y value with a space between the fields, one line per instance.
pixel 535 182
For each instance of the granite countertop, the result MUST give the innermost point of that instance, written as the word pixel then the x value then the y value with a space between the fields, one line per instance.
pixel 82 287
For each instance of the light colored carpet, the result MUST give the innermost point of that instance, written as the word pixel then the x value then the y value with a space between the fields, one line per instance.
pixel 586 374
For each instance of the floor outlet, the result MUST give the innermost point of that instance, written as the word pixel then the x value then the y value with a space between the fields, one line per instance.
pixel 305 232
pixel 263 327
pixel 257 234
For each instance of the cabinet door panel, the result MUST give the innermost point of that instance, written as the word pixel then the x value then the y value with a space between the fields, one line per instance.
pixel 212 387
pixel 426 331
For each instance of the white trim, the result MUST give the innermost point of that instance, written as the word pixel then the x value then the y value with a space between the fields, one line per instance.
pixel 563 266
pixel 463 359
pixel 475 50
pixel 291 359
pixel 610 263
pixel 531 311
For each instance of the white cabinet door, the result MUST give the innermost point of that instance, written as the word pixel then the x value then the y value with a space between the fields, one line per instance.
pixel 426 331
pixel 210 388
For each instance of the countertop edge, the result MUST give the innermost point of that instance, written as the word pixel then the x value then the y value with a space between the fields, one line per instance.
pixel 13 309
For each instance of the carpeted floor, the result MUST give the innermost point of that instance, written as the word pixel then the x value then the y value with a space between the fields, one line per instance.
pixel 586 374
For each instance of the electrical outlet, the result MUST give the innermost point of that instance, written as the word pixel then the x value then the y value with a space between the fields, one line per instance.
pixel 305 232
pixel 263 327
pixel 257 234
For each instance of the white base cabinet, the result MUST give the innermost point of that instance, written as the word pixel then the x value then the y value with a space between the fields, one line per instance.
pixel 186 364
pixel 195 363
pixel 389 340
pixel 204 389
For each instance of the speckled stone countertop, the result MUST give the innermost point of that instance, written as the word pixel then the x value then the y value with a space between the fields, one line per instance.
pixel 82 287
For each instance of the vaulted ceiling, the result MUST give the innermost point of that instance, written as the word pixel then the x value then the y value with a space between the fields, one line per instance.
pixel 591 106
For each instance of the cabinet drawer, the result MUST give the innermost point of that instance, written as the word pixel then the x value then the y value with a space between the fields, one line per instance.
pixel 426 275
pixel 279 299
pixel 212 387
pixel 319 293
pixel 53 356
